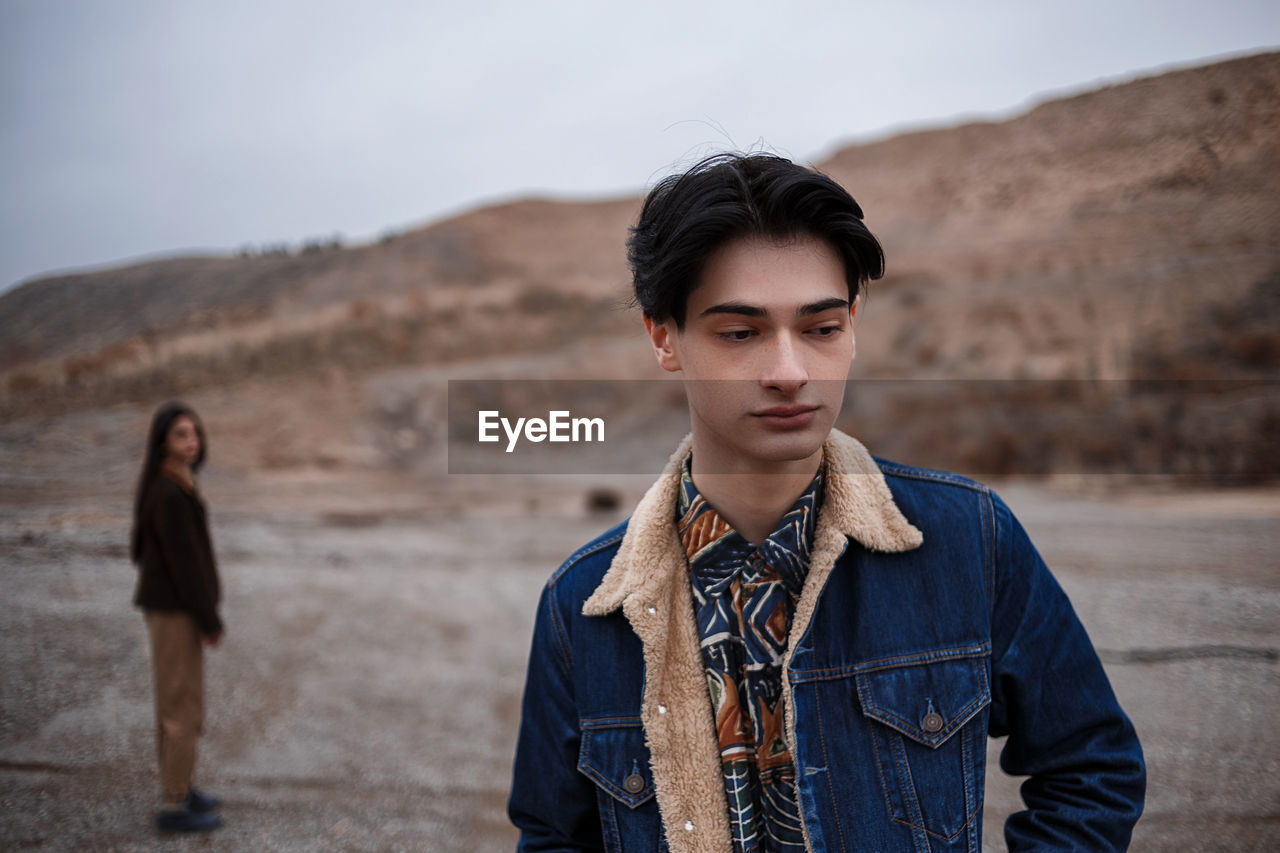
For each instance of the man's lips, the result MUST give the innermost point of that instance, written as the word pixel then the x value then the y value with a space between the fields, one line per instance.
pixel 795 415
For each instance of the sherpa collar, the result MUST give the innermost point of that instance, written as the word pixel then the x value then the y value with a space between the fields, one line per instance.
pixel 648 580
pixel 857 504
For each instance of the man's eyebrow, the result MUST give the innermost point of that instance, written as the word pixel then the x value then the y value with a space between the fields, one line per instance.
pixel 746 310
pixel 735 308
pixel 818 307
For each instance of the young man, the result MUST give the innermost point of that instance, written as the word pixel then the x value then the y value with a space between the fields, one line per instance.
pixel 792 645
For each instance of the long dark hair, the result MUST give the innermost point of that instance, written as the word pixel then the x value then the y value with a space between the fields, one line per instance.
pixel 161 422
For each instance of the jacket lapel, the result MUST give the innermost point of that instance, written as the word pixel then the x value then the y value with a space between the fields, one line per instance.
pixel 648 580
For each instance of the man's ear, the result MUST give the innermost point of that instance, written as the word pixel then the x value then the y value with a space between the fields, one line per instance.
pixel 662 336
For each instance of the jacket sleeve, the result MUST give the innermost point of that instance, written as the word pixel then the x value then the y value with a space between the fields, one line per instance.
pixel 1050 695
pixel 552 804
pixel 179 545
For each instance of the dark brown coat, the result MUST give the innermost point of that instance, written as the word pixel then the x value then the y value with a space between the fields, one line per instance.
pixel 176 569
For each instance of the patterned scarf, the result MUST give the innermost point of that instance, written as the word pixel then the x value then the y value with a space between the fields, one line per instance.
pixel 744 598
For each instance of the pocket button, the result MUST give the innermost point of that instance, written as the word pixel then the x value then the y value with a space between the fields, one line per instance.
pixel 633 783
pixel 932 722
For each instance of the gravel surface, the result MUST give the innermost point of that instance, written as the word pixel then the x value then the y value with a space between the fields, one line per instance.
pixel 367 695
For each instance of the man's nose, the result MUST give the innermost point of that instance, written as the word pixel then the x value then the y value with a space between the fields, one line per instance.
pixel 785 368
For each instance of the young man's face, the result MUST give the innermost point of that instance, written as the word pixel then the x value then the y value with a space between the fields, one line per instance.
pixel 765 352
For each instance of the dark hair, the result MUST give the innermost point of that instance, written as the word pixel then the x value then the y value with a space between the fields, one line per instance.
pixel 161 423
pixel 688 216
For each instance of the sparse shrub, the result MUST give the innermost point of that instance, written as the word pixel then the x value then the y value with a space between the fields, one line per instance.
pixel 362 309
pixel 543 300
pixel 23 381
pixel 1257 348
pixel 603 500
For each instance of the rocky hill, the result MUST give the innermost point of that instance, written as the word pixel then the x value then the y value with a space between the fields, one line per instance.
pixel 1092 237
pixel 1131 232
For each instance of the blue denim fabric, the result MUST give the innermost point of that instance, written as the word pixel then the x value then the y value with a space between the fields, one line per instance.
pixel 970 627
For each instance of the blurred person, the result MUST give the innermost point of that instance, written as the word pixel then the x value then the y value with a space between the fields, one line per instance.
pixel 178 591
pixel 792 645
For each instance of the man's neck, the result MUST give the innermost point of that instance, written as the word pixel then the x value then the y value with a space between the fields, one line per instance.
pixel 752 499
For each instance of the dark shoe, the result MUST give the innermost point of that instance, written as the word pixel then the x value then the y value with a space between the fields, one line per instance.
pixel 201 803
pixel 186 821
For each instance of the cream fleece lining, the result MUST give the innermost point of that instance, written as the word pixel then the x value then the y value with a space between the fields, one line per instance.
pixel 648 579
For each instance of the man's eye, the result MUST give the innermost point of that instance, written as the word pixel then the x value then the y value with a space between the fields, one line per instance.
pixel 736 335
pixel 827 331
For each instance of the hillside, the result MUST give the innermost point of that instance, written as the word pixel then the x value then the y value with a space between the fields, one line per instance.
pixel 1091 237
pixel 1131 232
pixel 412 296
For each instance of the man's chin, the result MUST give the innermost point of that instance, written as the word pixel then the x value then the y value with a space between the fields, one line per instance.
pixel 783 448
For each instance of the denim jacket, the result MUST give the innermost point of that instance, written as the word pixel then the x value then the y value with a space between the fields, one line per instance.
pixel 927 622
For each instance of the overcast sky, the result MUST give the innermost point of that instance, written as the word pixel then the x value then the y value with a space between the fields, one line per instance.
pixel 142 127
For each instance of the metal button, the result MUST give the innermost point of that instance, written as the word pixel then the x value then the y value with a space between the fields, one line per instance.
pixel 633 783
pixel 652 610
pixel 932 722
pixel 688 826
pixel 662 709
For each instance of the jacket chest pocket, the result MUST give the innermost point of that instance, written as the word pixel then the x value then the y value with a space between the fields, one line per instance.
pixel 930 743
pixel 614 756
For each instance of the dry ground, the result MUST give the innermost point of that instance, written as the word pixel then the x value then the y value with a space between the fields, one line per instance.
pixel 366 697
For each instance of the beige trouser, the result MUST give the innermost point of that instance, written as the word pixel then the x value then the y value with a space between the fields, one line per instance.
pixel 177 664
